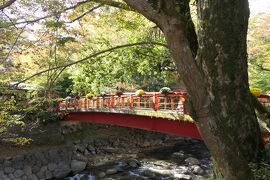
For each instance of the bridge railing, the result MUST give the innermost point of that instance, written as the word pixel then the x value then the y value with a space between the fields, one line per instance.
pixel 149 101
pixel 265 100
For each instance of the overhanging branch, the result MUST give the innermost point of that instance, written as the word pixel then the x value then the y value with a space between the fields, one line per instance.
pixel 91 56
pixel 8 3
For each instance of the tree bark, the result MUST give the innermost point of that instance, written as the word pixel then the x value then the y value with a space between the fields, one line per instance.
pixel 216 79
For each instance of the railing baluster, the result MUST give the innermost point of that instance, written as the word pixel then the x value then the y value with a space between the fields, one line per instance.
pixel 66 104
pixel 98 103
pixel 131 102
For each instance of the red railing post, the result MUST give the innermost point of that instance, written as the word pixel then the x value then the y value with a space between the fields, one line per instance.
pixel 165 102
pixel 155 102
pixel 75 103
pixel 138 102
pixel 131 101
pixel 122 102
pixel 112 102
pixel 172 103
pixel 79 104
pixel 144 101
pixel 98 102
pixel 185 109
pixel 66 104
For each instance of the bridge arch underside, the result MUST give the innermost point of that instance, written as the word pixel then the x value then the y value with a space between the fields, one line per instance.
pixel 178 128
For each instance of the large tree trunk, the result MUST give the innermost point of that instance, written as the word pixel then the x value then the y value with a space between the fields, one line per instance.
pixel 217 80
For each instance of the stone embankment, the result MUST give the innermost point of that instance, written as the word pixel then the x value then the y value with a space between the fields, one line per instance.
pixel 54 163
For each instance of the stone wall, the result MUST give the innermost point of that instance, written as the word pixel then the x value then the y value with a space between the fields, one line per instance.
pixel 54 163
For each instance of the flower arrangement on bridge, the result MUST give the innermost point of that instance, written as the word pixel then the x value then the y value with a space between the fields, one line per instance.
pixel 139 92
pixel 165 90
pixel 103 94
pixel 256 91
pixel 89 95
pixel 119 91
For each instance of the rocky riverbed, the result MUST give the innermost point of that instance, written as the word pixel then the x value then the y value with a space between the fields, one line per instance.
pixel 108 152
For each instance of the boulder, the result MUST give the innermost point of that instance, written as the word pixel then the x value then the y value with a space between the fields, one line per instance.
pixel 18 173
pixel 27 170
pixel 52 166
pixel 111 171
pixel 8 170
pixel 192 161
pixel 32 177
pixel 77 166
pixel 197 170
pixel 101 174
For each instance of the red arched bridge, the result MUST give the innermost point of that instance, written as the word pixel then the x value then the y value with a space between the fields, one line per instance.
pixel 151 111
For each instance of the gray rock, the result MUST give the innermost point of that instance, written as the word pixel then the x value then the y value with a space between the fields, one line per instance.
pixel 8 170
pixel 24 177
pixel 11 176
pixel 2 174
pixel 27 170
pixel 133 164
pixel 7 178
pixel 192 161
pixel 18 173
pixel 7 163
pixel 35 169
pixel 61 171
pixel 183 176
pixel 111 171
pixel 146 144
pixel 79 157
pixel 41 174
pixel 110 150
pixel 52 166
pixel 91 149
pixel 86 152
pixel 18 158
pixel 77 166
pixel 32 177
pixel 18 165
pixel 199 178
pixel 48 175
pixel 80 147
pixel 101 174
pixel 179 155
pixel 197 170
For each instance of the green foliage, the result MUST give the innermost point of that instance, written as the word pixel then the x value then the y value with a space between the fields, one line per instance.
pixel 259 48
pixel 42 110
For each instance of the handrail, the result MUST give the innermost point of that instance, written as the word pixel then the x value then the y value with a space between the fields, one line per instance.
pixel 156 101
pixel 153 100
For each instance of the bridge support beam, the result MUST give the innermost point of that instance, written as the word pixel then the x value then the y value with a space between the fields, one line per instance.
pixel 179 128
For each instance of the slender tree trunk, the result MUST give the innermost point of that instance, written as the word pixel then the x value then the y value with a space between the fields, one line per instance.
pixel 217 79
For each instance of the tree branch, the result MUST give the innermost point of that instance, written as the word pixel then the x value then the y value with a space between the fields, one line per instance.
pixel 85 13
pixel 13 45
pixel 3 6
pixel 91 56
pixel 114 4
pixel 47 16
pixel 143 7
